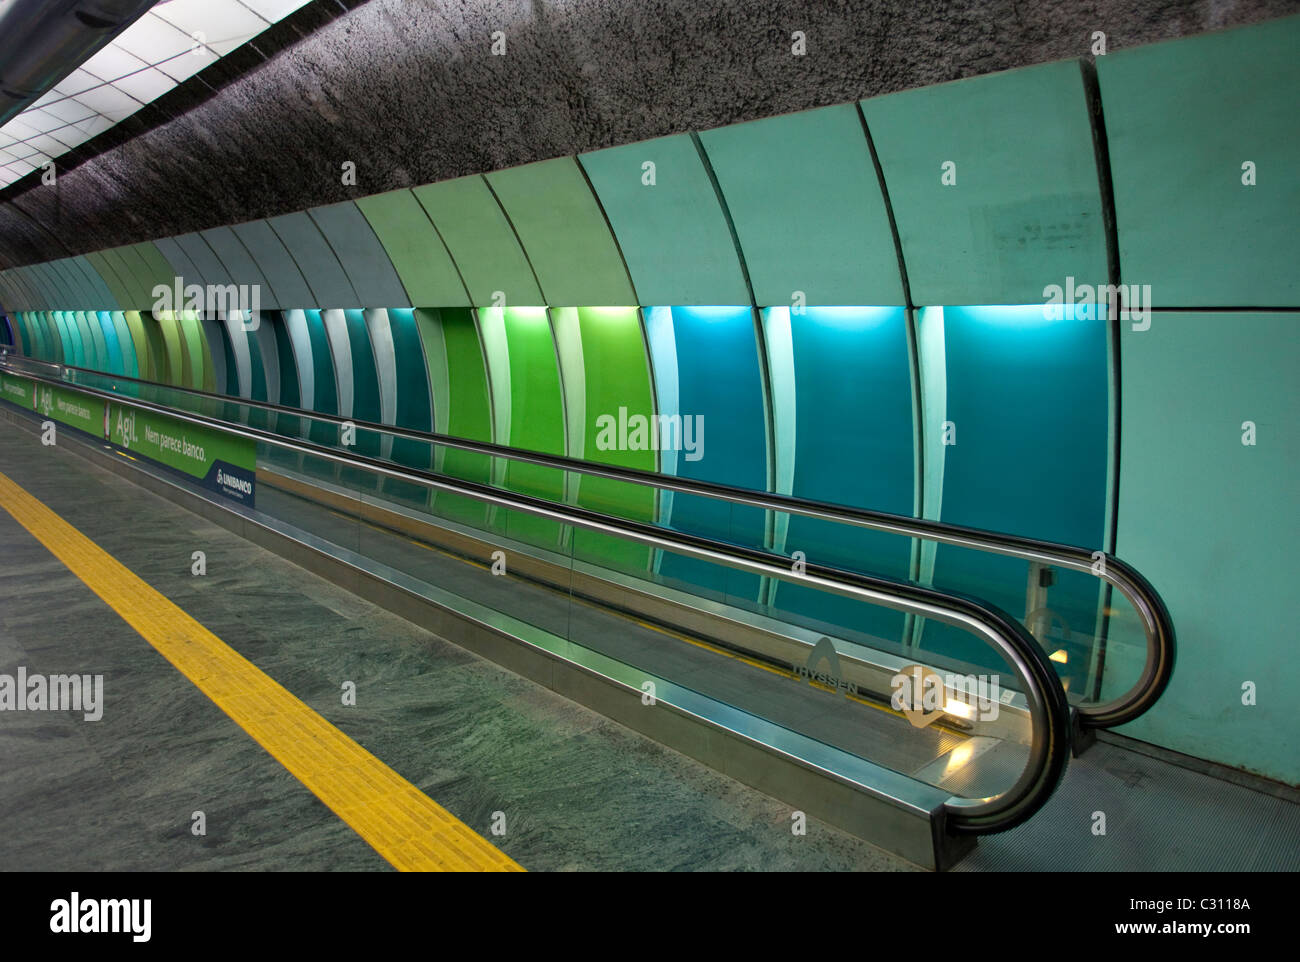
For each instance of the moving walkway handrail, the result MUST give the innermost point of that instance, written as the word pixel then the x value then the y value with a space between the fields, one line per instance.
pixel 1045 698
pixel 1156 624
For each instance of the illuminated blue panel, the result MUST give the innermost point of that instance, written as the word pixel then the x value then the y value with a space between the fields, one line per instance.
pixel 711 357
pixel 853 445
pixel 366 404
pixel 1027 400
pixel 105 321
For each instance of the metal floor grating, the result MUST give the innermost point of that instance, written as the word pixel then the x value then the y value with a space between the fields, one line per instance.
pixel 1159 817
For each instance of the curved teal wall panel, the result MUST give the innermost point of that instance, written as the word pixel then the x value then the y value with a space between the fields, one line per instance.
pixel 1025 209
pixel 673 234
pixel 1182 118
pixel 1212 521
pixel 803 194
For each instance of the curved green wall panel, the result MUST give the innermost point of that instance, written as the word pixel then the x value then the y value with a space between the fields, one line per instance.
pixel 1025 209
pixel 145 353
pixel 415 249
pixel 103 297
pixel 563 233
pixel 804 197
pixel 481 241
pixel 141 281
pixel 158 269
pixel 172 366
pixel 281 273
pixel 108 269
pixel 462 405
pixel 673 235
pixel 528 407
pixel 1182 118
pixel 607 382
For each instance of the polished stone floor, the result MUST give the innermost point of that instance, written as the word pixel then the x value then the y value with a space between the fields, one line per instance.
pixel 579 792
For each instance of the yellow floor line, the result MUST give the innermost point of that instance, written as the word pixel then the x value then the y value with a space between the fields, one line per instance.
pixel 399 821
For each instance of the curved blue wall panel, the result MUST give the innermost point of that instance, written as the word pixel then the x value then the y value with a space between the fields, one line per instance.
pixel 1027 400
pixel 717 372
pixel 853 445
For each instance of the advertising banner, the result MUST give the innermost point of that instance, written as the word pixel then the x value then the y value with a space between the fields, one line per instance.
pixel 220 462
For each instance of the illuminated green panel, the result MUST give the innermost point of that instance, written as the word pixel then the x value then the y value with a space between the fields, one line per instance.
pixel 1182 118
pixel 536 416
pixel 674 236
pixel 480 241
pixel 201 373
pixel 172 367
pixel 806 202
pixel 612 387
pixel 144 351
pixel 461 403
pixel 108 271
pixel 563 233
pixel 24 335
pixel 1025 209
pixel 414 247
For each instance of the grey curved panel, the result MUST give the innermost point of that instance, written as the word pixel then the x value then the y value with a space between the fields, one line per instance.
pixel 201 256
pixel 364 259
pixel 180 261
pixel 234 256
pixel 320 267
pixel 104 299
pixel 288 286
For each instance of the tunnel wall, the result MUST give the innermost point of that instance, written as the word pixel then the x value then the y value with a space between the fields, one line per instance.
pixel 894 254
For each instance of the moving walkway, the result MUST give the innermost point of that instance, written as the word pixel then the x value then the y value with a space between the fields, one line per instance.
pixel 915 747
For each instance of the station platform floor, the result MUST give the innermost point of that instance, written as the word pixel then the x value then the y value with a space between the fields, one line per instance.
pixel 470 740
